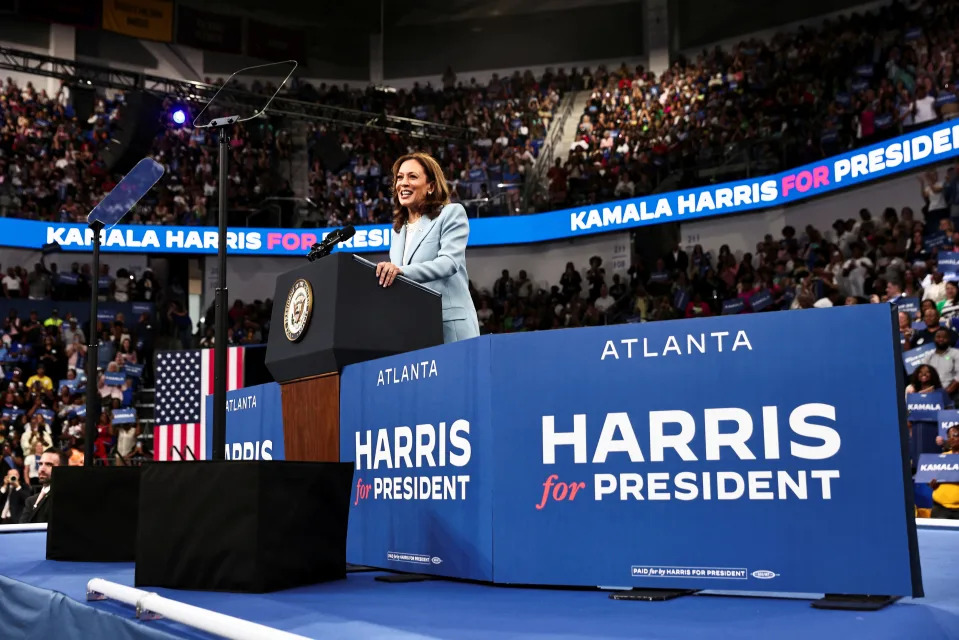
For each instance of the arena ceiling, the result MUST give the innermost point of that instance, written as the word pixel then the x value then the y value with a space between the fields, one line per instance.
pixel 365 14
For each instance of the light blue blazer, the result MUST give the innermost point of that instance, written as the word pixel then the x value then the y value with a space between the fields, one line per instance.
pixel 438 260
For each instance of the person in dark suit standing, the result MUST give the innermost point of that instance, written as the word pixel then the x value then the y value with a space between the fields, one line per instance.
pixel 12 496
pixel 37 506
pixel 677 260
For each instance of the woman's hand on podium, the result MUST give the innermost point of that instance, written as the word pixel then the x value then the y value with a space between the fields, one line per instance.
pixel 387 272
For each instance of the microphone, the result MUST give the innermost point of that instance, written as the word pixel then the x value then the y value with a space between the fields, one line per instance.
pixel 324 248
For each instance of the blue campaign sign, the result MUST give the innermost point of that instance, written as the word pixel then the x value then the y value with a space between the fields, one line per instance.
pixel 925 407
pixel 935 240
pixel 11 413
pixel 105 315
pixel 734 306
pixel 124 416
pixel 133 370
pixel 80 411
pixel 585 481
pixel 903 153
pixel 948 262
pixel 114 378
pixel 947 418
pixel 46 414
pixel 417 428
pixel 254 424
pixel 908 305
pixel 942 467
pixel 761 300
pixel 598 484
pixel 914 357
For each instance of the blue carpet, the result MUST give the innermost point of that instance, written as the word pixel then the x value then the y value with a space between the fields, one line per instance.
pixel 359 607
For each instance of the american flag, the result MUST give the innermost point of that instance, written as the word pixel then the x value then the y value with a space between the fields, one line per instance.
pixel 183 379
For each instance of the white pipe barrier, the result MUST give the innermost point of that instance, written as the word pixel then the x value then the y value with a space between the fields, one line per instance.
pixel 939 523
pixel 210 621
pixel 20 528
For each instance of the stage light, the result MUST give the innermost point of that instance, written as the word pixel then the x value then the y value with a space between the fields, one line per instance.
pixel 179 116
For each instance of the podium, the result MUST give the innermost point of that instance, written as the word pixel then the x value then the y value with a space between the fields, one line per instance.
pixel 328 314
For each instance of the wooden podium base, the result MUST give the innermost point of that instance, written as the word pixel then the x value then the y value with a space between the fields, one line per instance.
pixel 311 419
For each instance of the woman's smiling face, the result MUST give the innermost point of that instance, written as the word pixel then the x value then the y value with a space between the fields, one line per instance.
pixel 411 184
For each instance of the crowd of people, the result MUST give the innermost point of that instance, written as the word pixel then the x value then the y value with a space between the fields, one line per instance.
pixel 52 164
pixel 43 404
pixel 508 117
pixel 786 100
pixel 783 101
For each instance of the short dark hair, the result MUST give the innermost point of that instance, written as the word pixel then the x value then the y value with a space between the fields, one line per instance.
pixel 58 453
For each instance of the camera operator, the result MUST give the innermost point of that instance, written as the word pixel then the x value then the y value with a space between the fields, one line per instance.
pixel 12 495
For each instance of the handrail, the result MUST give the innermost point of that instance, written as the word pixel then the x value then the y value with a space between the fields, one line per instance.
pixel 150 605
pixel 21 528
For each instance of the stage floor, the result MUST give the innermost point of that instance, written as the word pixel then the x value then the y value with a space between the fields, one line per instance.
pixel 360 607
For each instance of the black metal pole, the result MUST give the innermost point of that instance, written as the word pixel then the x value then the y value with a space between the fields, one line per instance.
pixel 93 345
pixel 221 311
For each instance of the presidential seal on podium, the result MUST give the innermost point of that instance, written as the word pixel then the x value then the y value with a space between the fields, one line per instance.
pixel 296 313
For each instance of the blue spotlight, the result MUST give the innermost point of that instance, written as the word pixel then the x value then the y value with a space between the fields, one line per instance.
pixel 179 116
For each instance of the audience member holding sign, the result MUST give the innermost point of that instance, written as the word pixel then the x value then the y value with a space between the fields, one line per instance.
pixel 945 495
pixel 925 379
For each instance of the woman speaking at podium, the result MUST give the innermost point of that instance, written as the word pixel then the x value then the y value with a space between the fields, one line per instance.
pixel 428 243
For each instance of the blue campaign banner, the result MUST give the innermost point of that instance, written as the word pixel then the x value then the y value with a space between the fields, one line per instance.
pixel 142 307
pixel 942 467
pixel 114 378
pixel 734 306
pixel 681 299
pixel 948 262
pixel 11 413
pixel 598 484
pixel 453 458
pixel 417 428
pixel 908 305
pixel 925 407
pixel 761 300
pixel 46 414
pixel 889 157
pixel 80 411
pixel 935 240
pixel 254 424
pixel 947 418
pixel 105 315
pixel 124 416
pixel 914 357
pixel 133 370
pixel 69 384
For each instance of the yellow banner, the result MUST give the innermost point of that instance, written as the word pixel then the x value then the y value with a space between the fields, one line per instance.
pixel 147 19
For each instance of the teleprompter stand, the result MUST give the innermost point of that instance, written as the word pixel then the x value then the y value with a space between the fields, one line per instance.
pixel 92 504
pixel 231 105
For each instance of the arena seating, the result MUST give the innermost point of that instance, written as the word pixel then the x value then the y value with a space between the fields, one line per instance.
pixel 757 107
pixel 762 105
